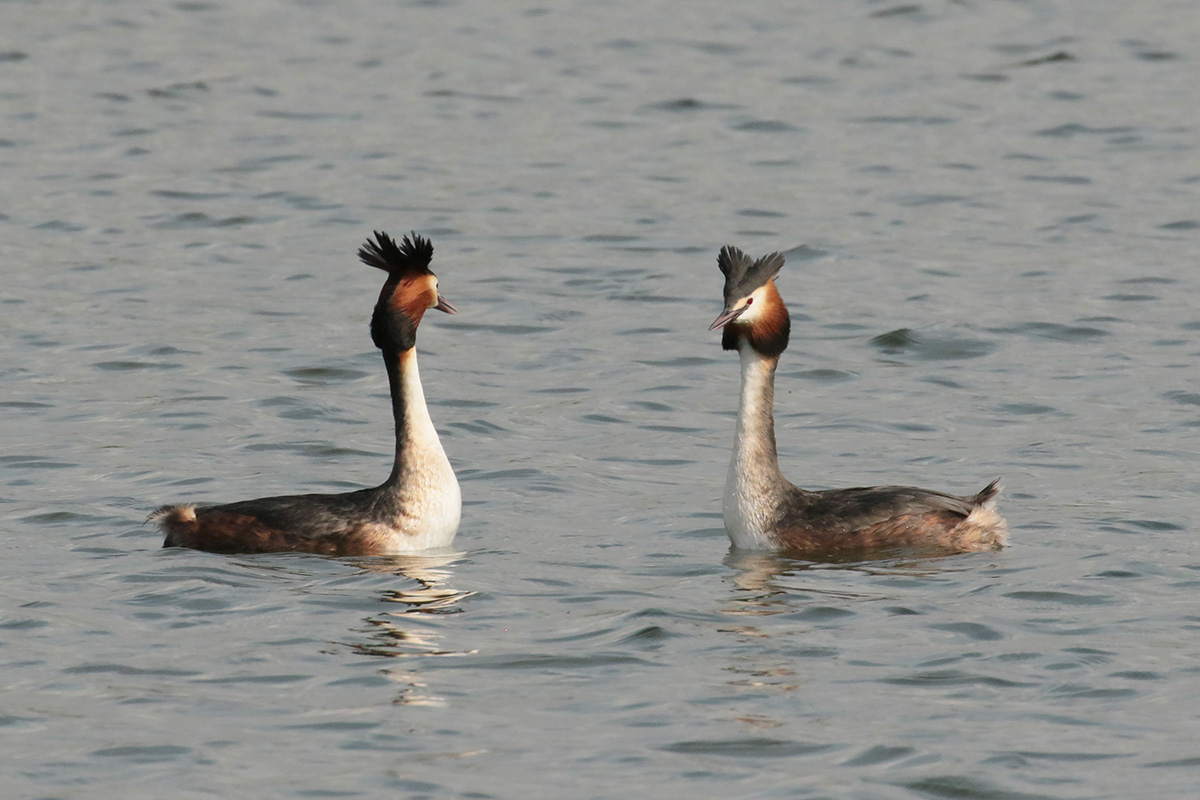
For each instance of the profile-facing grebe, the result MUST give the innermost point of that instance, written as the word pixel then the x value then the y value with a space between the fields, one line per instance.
pixel 417 508
pixel 763 511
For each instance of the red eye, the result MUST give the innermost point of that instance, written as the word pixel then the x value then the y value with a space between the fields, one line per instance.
pixel 749 301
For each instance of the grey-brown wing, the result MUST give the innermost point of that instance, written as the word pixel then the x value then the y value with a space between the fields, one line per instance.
pixel 867 506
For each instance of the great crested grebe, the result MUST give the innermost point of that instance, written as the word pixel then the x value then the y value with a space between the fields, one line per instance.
pixel 763 511
pixel 417 508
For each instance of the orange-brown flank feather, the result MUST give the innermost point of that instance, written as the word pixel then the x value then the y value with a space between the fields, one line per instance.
pixel 942 531
pixel 220 531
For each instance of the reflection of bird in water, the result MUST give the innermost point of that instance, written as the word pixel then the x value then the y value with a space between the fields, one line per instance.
pixel 398 633
pixel 763 511
pixel 767 583
pixel 417 508
pixel 756 577
pixel 431 595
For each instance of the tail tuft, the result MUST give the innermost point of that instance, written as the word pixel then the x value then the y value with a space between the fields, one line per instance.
pixel 988 495
pixel 984 528
pixel 165 515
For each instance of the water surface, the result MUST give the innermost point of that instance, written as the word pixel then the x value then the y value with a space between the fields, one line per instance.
pixel 990 217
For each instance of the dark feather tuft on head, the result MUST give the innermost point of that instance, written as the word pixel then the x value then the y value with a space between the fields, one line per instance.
pixel 411 257
pixel 769 332
pixel 392 329
pixel 743 276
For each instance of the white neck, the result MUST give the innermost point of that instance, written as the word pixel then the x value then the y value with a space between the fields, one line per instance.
pixel 422 479
pixel 415 434
pixel 754 486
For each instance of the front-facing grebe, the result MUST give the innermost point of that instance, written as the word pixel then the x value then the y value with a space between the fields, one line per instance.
pixel 763 511
pixel 417 508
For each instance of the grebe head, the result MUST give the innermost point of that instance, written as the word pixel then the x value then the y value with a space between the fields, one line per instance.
pixel 754 312
pixel 411 289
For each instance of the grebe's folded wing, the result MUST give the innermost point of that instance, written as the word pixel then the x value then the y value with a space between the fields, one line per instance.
pixel 865 506
pixel 303 514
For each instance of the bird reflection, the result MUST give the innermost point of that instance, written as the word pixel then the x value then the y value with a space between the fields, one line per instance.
pixel 397 632
pixel 768 653
pixel 763 589
pixel 413 689
pixel 431 595
pixel 759 579
pixel 756 578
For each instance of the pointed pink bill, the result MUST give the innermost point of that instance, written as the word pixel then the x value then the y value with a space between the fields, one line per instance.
pixel 726 318
pixel 442 305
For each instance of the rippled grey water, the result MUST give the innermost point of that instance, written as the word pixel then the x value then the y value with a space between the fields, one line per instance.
pixel 990 211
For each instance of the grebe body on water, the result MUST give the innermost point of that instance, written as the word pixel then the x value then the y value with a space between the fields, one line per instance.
pixel 417 508
pixel 763 511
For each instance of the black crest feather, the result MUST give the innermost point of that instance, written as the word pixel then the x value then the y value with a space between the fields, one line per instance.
pixel 410 257
pixel 743 276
